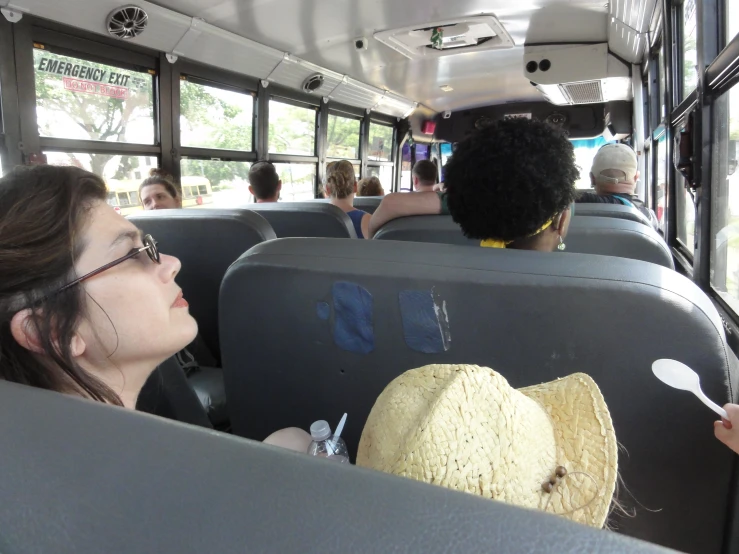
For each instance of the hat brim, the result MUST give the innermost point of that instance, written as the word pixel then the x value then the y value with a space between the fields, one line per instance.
pixel 586 444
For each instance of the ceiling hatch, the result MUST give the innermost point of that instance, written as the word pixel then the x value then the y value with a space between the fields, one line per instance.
pixel 456 36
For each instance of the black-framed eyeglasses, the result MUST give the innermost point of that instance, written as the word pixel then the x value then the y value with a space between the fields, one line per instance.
pixel 150 246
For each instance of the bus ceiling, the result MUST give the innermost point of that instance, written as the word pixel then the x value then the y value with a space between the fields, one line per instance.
pixel 388 56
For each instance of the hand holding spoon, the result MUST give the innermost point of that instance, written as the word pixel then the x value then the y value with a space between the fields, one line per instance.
pixel 680 376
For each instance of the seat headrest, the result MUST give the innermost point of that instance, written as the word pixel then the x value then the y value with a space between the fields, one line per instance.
pixel 79 476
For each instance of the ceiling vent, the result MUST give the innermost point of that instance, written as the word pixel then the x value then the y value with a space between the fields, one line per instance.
pixel 455 36
pixel 127 22
pixel 313 83
pixel 568 74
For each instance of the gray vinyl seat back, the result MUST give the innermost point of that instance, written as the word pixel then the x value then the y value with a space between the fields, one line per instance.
pixel 73 482
pixel 336 321
pixel 607 236
pixel 305 219
pixel 611 210
pixel 206 242
pixel 367 204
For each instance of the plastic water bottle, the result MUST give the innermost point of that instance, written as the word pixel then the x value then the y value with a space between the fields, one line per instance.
pixel 327 445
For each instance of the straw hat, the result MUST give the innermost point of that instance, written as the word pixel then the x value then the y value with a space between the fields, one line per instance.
pixel 465 428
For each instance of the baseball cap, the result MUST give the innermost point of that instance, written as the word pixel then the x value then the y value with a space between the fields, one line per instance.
pixel 615 156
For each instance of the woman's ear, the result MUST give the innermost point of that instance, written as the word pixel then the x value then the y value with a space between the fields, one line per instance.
pixel 178 199
pixel 563 223
pixel 25 332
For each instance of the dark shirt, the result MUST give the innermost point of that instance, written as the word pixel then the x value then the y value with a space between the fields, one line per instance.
pixel 356 217
pixel 621 199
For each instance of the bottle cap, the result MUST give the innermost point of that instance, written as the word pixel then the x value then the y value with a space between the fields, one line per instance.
pixel 320 430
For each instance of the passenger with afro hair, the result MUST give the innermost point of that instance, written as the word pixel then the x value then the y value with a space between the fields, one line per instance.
pixel 509 185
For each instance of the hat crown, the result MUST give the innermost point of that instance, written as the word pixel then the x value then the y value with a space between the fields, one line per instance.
pixel 619 157
pixel 465 428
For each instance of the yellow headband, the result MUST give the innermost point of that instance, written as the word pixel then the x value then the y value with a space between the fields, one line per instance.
pixel 496 243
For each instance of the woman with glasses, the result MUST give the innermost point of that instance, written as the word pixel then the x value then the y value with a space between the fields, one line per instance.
pixel 88 306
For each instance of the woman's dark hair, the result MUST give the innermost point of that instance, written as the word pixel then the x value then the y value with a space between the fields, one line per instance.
pixel 160 177
pixel 507 180
pixel 43 210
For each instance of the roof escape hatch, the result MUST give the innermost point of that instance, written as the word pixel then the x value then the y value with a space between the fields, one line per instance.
pixel 456 36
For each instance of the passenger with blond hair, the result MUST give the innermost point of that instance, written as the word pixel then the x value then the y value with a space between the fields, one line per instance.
pixel 340 188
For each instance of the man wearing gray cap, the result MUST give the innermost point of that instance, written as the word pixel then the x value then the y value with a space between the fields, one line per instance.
pixel 613 175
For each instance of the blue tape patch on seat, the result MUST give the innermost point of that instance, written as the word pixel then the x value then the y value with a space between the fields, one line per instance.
pixel 353 329
pixel 425 321
pixel 323 310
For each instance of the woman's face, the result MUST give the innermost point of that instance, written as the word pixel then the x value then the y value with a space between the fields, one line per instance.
pixel 135 314
pixel 156 197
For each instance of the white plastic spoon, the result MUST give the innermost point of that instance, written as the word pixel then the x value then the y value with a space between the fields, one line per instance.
pixel 680 376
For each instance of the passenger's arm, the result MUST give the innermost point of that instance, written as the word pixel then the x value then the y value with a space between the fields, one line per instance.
pixel 402 204
pixel 365 225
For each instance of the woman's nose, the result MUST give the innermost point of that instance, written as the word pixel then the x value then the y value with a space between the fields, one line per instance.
pixel 169 267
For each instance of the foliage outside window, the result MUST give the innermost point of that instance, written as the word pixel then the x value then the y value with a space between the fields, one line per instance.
pixel 211 117
pixel 298 181
pixel 342 137
pixel 78 99
pixel 725 199
pixel 661 181
pixel 292 129
pixel 215 183
pixel 380 142
pixel 121 173
pixel 690 54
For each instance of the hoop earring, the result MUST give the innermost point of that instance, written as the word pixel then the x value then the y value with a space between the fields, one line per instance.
pixel 561 246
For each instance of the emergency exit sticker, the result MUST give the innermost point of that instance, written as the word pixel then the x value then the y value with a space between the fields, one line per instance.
pixel 90 87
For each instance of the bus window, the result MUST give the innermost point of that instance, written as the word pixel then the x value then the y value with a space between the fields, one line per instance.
pixel 298 181
pixel 690 54
pixel 585 151
pixel 342 138
pixel 79 99
pixel 119 173
pixel 661 180
pixel 214 183
pixel 422 152
pixel 732 20
pixel 405 169
pixel 662 80
pixel 384 173
pixel 725 201
pixel 215 118
pixel 380 142
pixel 685 214
pixel 292 129
pixel 446 153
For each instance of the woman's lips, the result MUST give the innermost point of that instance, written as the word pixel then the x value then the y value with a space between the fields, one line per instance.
pixel 180 302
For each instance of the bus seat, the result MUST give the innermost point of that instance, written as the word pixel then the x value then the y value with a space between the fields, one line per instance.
pixel 611 210
pixel 367 204
pixel 206 241
pixel 531 316
pixel 79 476
pixel 618 237
pixel 305 219
pixel 607 236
